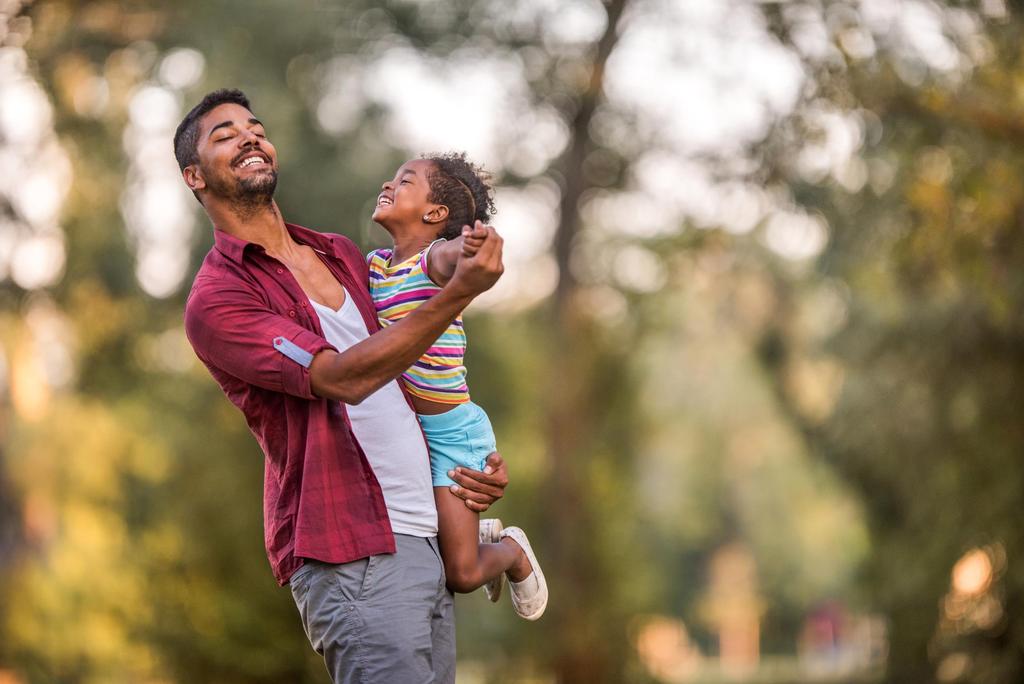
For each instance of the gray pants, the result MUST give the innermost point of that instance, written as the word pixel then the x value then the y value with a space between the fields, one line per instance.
pixel 387 618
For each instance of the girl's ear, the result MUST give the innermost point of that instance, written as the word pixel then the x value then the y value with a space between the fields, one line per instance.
pixel 193 177
pixel 438 213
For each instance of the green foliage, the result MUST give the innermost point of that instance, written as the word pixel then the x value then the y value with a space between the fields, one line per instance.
pixel 928 269
pixel 851 422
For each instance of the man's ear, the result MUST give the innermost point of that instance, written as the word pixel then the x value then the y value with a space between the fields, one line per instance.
pixel 193 177
pixel 437 214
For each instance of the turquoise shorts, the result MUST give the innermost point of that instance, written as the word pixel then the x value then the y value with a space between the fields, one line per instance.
pixel 460 437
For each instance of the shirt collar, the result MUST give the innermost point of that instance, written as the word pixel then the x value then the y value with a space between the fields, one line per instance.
pixel 234 247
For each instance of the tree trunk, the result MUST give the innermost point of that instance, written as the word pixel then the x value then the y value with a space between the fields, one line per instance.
pixel 586 649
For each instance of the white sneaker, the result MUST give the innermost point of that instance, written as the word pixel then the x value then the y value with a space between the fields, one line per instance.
pixel 529 597
pixel 490 533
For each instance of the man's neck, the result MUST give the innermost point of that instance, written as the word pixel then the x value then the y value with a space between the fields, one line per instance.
pixel 262 225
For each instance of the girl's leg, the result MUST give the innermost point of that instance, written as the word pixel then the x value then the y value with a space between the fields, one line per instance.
pixel 468 564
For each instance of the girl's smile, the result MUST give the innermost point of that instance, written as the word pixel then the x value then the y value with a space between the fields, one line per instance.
pixel 403 200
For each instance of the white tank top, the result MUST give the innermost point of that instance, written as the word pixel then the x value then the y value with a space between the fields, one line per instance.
pixel 387 430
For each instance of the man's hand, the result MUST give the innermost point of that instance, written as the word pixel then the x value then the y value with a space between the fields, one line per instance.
pixel 479 489
pixel 477 272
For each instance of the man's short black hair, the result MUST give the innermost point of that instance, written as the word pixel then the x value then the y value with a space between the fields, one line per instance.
pixel 186 138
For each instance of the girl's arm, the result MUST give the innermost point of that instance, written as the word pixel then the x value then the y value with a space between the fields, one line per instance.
pixel 443 256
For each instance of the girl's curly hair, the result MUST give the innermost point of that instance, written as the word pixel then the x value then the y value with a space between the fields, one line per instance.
pixel 464 188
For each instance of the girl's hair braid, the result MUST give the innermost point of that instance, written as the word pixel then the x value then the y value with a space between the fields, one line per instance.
pixel 464 188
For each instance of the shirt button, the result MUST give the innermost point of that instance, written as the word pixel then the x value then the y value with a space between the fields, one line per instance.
pixel 280 271
pixel 292 313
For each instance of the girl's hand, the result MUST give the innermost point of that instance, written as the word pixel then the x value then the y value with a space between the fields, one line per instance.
pixel 472 238
pixel 479 272
pixel 444 256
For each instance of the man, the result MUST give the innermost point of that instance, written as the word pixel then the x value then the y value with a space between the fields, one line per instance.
pixel 349 516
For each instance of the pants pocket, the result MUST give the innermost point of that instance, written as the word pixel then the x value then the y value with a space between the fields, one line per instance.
pixel 366 586
pixel 352 579
pixel 436 548
pixel 476 451
pixel 299 582
pixel 327 597
pixel 480 437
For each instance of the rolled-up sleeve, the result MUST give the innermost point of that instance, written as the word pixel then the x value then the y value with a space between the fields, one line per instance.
pixel 234 330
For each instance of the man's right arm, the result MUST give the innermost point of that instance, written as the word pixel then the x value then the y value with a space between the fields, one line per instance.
pixel 359 371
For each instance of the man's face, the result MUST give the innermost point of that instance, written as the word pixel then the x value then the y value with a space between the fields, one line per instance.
pixel 236 161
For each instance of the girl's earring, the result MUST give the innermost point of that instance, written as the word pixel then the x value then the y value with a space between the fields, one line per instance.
pixel 426 217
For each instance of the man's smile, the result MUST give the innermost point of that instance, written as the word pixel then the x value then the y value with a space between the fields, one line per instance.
pixel 252 158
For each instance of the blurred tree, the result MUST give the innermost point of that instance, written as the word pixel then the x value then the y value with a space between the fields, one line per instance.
pixel 198 623
pixel 138 487
pixel 142 495
pixel 157 520
pixel 922 277
pixel 589 421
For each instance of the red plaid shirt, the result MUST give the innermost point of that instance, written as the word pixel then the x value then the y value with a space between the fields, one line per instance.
pixel 252 325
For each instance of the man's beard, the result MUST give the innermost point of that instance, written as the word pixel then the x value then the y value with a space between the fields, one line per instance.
pixel 249 195
pixel 254 193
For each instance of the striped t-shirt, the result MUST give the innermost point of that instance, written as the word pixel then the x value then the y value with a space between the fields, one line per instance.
pixel 439 375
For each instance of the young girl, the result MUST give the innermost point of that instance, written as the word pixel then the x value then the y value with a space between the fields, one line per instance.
pixel 428 208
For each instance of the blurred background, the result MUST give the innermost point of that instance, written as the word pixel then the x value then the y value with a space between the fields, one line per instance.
pixel 756 362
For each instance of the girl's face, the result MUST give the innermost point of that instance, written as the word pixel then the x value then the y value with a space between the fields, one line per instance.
pixel 403 200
